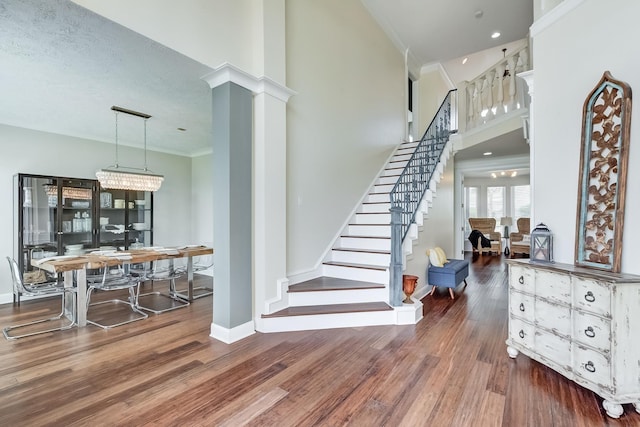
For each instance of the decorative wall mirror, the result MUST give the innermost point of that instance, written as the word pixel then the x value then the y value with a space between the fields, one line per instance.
pixel 606 123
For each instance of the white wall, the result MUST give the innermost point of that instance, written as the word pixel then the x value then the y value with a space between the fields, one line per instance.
pixel 437 229
pixel 209 31
pixel 432 88
pixel 347 116
pixel 577 45
pixel 35 152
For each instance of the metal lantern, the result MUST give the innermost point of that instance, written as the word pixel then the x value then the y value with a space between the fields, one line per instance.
pixel 541 244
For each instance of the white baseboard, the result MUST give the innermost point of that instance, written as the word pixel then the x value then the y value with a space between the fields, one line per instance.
pixel 281 300
pixel 229 336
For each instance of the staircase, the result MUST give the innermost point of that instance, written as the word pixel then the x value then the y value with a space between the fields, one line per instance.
pixel 353 287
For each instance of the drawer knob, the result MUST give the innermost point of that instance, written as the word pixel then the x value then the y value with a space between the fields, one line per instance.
pixel 521 333
pixel 589 332
pixel 521 307
pixel 589 297
pixel 521 280
pixel 590 367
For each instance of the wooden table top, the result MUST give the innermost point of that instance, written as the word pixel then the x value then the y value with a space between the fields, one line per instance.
pixel 133 256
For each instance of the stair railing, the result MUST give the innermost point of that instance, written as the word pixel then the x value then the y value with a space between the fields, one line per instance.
pixel 406 196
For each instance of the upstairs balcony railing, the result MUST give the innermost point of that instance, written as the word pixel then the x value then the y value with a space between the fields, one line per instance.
pixel 408 193
pixel 496 92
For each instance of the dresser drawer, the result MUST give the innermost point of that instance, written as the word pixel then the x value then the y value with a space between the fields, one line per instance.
pixel 554 348
pixel 521 305
pixel 521 278
pixel 592 296
pixel 592 330
pixel 521 332
pixel 553 286
pixel 553 316
pixel 591 365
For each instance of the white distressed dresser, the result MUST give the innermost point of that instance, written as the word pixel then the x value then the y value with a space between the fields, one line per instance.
pixel 583 323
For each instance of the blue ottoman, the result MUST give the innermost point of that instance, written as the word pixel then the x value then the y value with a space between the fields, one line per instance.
pixel 450 275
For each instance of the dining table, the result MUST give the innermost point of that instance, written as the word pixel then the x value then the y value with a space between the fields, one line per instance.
pixel 67 265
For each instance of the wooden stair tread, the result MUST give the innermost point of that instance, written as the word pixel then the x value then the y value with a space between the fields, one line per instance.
pixel 330 309
pixel 354 265
pixel 332 284
pixel 353 236
pixel 368 251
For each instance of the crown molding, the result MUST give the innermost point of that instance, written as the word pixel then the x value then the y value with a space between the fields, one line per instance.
pixel 257 85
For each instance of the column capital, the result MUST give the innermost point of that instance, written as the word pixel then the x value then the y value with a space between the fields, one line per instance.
pixel 257 85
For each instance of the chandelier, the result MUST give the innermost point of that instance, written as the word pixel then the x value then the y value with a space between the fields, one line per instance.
pixel 116 177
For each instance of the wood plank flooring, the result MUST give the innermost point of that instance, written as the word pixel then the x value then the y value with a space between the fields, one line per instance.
pixel 451 369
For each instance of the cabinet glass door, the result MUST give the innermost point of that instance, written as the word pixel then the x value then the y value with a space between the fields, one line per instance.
pixel 126 219
pixel 39 219
pixel 76 216
pixel 139 219
pixel 112 219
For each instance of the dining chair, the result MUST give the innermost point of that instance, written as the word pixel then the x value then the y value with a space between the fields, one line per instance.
pixel 157 302
pixel 111 278
pixel 47 288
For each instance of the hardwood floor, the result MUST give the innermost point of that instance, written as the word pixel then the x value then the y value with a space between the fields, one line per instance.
pixel 451 369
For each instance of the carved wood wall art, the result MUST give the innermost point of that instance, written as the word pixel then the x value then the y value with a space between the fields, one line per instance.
pixel 606 123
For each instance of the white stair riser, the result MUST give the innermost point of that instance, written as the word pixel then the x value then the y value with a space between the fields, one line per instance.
pixel 328 321
pixel 338 297
pixel 386 180
pixel 400 164
pixel 375 207
pixel 376 198
pixel 369 230
pixel 367 258
pixel 372 218
pixel 365 243
pixel 383 188
pixel 362 274
pixel 401 157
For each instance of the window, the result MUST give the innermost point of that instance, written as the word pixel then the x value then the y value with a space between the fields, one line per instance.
pixel 521 201
pixel 496 204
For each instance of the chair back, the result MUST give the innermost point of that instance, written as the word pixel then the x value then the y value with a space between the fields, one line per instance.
pixel 16 277
pixel 485 225
pixel 523 226
pixel 167 269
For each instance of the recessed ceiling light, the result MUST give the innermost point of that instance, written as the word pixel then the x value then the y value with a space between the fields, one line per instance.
pixel 502 173
pixel 514 173
pixel 488 153
pixel 464 61
pixel 493 175
pixel 495 35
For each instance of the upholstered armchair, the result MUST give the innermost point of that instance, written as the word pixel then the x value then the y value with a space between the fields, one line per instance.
pixel 519 241
pixel 487 227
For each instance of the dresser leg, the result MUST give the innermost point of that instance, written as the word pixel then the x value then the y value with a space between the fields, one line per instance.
pixel 614 410
pixel 512 352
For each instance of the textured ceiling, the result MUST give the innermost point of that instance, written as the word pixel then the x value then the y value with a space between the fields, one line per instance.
pixel 63 67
